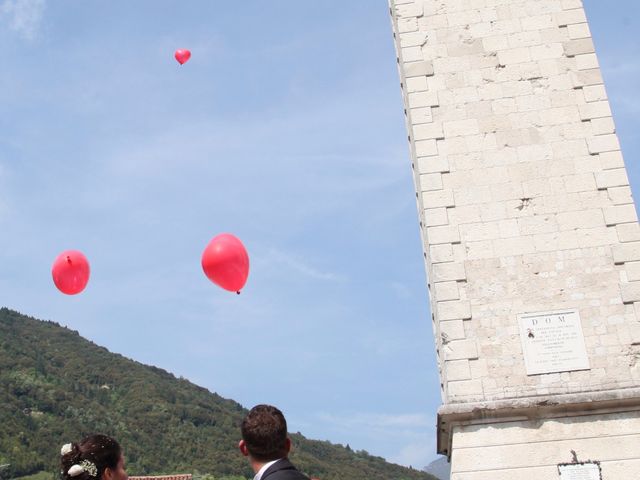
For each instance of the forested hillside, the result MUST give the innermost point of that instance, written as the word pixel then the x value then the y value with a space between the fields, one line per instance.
pixel 55 387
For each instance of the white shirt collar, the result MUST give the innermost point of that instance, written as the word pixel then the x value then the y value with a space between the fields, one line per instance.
pixel 263 469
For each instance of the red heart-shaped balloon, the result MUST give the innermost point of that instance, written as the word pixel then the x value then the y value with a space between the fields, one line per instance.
pixel 182 55
pixel 225 262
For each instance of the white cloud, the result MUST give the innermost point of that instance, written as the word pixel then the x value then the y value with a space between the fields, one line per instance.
pixel 23 16
pixel 416 454
pixel 412 434
pixel 278 259
pixel 380 421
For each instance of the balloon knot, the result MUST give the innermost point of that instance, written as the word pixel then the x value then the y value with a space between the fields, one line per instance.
pixel 238 292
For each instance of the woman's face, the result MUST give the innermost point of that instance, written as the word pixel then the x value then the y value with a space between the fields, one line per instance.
pixel 118 473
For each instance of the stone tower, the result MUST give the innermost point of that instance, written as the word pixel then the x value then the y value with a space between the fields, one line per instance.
pixel 531 239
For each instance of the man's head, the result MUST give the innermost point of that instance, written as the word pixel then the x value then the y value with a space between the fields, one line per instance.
pixel 264 434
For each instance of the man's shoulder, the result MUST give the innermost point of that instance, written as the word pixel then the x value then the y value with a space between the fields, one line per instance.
pixel 287 475
pixel 283 470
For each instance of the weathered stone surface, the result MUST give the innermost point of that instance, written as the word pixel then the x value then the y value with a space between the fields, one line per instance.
pixel 447 272
pixel 457 370
pixel 612 178
pixel 451 330
pixel 461 349
pixel 626 252
pixel 525 207
pixel 417 69
pixel 620 214
pixel 577 47
pixel 454 310
pixel 505 450
pixel 630 292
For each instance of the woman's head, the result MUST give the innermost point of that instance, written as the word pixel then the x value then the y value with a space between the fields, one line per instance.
pixel 96 457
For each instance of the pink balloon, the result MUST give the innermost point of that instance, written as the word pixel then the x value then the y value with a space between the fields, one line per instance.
pixel 182 55
pixel 70 272
pixel 225 262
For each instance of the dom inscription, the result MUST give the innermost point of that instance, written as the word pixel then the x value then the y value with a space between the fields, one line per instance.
pixel 552 342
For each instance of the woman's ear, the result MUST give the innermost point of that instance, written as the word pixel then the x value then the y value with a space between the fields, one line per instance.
pixel 107 474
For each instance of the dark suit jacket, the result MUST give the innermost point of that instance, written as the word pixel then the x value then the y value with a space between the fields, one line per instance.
pixel 283 469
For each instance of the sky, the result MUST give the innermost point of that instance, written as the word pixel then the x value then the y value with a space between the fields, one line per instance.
pixel 286 129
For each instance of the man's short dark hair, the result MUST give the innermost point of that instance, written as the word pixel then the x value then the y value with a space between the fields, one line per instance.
pixel 264 431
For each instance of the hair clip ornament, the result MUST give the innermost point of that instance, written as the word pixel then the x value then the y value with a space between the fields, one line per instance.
pixel 83 466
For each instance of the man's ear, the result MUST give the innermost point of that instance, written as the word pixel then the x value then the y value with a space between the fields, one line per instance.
pixel 287 445
pixel 242 446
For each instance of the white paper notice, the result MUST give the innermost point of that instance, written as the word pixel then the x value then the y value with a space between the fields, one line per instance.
pixel 584 471
pixel 552 342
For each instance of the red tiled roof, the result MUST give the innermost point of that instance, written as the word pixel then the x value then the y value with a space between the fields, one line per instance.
pixel 180 476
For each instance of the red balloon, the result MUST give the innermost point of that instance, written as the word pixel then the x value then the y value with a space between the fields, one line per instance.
pixel 182 55
pixel 225 262
pixel 70 272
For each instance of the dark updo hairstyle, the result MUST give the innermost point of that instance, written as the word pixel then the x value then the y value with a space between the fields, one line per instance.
pixel 103 451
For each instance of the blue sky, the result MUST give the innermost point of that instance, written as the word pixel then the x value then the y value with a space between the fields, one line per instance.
pixel 286 129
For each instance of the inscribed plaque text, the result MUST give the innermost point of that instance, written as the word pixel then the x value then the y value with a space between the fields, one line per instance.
pixel 552 342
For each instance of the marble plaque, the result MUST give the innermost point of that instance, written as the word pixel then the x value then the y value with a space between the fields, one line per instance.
pixel 552 342
pixel 580 471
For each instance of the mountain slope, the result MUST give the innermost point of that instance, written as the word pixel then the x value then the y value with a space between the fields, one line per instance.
pixel 439 468
pixel 56 387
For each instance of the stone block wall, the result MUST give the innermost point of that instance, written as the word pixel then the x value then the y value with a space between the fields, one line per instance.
pixel 523 198
pixel 532 449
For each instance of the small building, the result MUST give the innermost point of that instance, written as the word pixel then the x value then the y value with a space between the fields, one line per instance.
pixel 178 476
